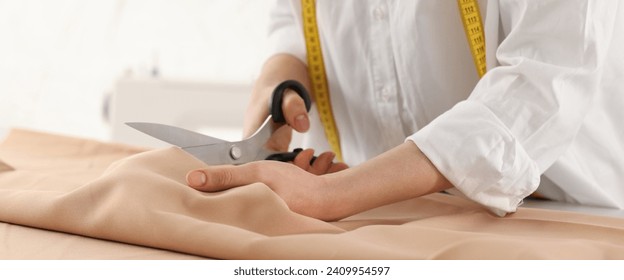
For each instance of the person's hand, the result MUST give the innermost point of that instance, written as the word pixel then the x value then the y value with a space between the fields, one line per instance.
pixel 276 70
pixel 303 191
pixel 299 184
pixel 295 114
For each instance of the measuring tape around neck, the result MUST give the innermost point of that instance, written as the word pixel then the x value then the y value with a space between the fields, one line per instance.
pixel 318 78
pixel 473 27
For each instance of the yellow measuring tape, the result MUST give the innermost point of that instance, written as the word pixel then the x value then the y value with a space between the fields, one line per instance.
pixel 318 78
pixel 471 18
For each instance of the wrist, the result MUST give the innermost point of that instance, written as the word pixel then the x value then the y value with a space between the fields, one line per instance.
pixel 338 198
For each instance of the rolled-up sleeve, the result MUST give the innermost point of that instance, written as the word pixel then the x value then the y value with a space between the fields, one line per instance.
pixel 285 31
pixel 524 113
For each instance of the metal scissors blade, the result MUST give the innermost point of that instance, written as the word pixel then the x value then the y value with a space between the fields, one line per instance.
pixel 253 148
pixel 174 135
pixel 211 150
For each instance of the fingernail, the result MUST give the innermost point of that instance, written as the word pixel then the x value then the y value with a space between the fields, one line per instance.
pixel 196 179
pixel 301 122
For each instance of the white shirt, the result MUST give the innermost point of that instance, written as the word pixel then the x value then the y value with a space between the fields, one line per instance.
pixel 550 103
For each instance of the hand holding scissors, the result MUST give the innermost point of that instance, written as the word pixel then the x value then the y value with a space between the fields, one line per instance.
pixel 215 151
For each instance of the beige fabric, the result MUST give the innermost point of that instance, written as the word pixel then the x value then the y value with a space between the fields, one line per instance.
pixel 25 243
pixel 69 185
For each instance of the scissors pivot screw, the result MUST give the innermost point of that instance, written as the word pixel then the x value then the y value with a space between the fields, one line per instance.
pixel 235 152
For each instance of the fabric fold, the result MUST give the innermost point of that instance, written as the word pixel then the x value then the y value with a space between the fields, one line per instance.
pixel 125 194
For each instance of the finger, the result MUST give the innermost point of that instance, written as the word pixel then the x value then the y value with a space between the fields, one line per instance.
pixel 295 111
pixel 219 178
pixel 303 159
pixel 280 139
pixel 322 163
pixel 338 166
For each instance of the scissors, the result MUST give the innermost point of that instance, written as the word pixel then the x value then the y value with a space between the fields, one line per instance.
pixel 215 151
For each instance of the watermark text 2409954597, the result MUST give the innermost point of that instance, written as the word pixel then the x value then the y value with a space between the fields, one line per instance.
pixel 329 271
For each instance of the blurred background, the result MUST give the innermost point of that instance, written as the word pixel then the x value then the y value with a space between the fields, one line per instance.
pixel 83 67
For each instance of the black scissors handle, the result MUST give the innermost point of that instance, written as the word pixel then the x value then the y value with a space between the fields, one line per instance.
pixel 275 105
pixel 275 108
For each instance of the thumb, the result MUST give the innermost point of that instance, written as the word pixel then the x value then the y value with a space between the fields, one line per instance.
pixel 295 111
pixel 219 178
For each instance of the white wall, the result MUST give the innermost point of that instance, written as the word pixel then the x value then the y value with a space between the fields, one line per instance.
pixel 59 57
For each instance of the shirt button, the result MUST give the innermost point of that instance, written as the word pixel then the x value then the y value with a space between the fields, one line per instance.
pixel 379 13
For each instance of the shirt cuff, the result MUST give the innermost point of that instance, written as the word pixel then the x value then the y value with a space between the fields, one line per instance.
pixel 476 152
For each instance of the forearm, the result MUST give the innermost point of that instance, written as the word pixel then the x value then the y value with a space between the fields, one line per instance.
pixel 276 69
pixel 401 173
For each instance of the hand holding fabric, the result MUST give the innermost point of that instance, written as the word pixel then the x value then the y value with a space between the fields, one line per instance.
pixel 298 184
pixel 399 174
